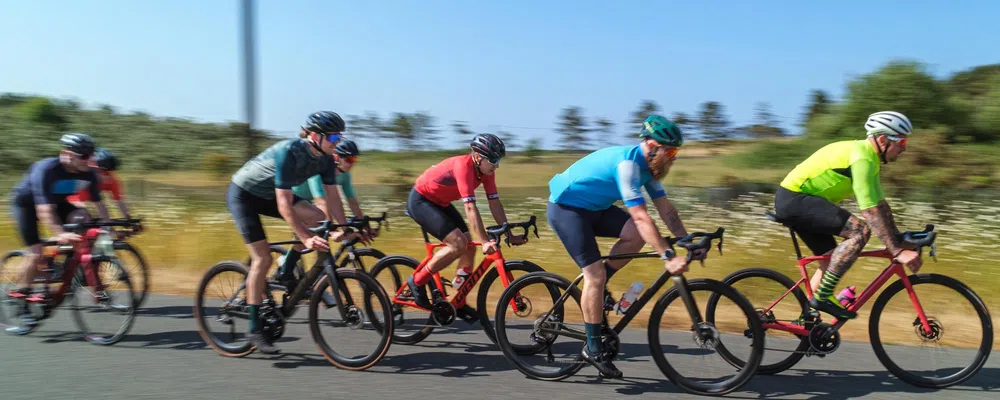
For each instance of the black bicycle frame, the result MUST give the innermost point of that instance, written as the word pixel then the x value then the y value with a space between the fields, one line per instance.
pixel 680 282
pixel 324 264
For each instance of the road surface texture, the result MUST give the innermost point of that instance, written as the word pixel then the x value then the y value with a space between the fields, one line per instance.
pixel 164 358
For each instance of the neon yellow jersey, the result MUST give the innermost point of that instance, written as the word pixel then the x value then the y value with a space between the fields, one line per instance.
pixel 837 171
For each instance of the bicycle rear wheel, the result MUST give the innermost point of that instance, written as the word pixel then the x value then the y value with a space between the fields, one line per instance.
pixel 528 334
pixel 960 340
pixel 735 319
pixel 104 316
pixel 357 343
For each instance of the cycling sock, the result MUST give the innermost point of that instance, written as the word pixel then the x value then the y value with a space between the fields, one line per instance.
pixel 291 258
pixel 593 337
pixel 829 283
pixel 422 276
pixel 254 315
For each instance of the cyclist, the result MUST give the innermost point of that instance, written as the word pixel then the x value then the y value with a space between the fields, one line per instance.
pixel 582 207
pixel 430 206
pixel 263 186
pixel 808 197
pixel 41 196
pixel 105 162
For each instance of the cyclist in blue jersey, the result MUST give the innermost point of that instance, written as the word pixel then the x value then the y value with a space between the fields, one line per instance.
pixel 581 208
pixel 41 196
pixel 263 186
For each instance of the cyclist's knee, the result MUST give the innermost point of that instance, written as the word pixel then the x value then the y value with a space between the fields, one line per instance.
pixel 595 273
pixel 457 242
pixel 863 232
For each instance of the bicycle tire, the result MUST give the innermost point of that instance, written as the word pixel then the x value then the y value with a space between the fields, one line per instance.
pixel 372 287
pixel 962 375
pixel 199 315
pixel 510 352
pixel 6 321
pixel 140 281
pixel 390 265
pixel 797 293
pixel 77 302
pixel 748 368
pixel 484 290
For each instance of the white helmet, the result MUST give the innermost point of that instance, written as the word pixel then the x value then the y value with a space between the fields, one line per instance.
pixel 888 123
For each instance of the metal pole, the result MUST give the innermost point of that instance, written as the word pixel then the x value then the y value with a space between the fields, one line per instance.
pixel 249 75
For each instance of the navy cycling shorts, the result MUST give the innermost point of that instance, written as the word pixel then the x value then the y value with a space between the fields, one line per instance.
pixel 578 229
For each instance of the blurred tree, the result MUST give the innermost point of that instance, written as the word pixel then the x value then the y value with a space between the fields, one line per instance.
pixel 573 128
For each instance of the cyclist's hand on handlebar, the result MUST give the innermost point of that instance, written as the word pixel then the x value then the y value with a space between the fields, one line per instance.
pixel 676 265
pixel 68 237
pixel 317 243
pixel 517 240
pixel 489 247
pixel 910 259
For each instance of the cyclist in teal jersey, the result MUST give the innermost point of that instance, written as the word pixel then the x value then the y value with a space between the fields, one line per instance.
pixel 582 207
pixel 263 186
pixel 346 154
pixel 808 197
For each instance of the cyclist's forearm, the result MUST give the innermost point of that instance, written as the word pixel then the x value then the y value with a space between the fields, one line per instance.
pixel 476 222
pixel 879 218
pixel 124 209
pixel 496 208
pixel 355 207
pixel 670 217
pixel 45 213
pixel 647 229
pixel 320 203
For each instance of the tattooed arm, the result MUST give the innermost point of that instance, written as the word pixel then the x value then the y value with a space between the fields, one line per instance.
pixel 670 216
pixel 883 224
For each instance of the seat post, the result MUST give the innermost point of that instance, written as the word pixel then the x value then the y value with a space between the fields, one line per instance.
pixel 426 238
pixel 798 251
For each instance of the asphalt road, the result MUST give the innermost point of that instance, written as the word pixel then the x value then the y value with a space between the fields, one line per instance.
pixel 164 358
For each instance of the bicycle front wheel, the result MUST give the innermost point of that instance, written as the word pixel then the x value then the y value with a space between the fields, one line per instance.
pixel 138 270
pixel 953 351
pixel 105 314
pixel 697 349
pixel 346 335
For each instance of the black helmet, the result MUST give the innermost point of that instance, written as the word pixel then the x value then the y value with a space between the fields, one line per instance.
pixel 324 122
pixel 346 147
pixel 106 160
pixel 490 146
pixel 78 143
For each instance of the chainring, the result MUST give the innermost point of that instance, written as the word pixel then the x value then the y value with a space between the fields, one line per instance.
pixel 823 339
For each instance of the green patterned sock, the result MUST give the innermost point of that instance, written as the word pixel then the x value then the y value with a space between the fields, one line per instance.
pixel 830 280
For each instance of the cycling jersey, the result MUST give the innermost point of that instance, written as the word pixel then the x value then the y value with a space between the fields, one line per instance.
pixel 837 171
pixel 452 179
pixel 109 183
pixel 313 187
pixel 283 166
pixel 596 181
pixel 48 182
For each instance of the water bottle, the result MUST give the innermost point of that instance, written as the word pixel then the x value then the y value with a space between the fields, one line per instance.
pixel 460 278
pixel 846 296
pixel 629 297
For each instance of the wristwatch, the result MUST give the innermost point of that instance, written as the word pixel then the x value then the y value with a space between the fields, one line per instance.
pixel 668 255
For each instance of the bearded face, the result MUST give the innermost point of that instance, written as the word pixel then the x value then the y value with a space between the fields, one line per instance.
pixel 660 159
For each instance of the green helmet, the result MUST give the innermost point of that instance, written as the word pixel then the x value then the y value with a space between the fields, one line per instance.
pixel 662 130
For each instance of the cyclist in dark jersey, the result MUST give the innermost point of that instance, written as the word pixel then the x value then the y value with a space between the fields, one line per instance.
pixel 41 196
pixel 808 196
pixel 430 206
pixel 263 186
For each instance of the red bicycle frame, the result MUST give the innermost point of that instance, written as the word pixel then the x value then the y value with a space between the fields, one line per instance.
pixel 894 268
pixel 463 291
pixel 81 258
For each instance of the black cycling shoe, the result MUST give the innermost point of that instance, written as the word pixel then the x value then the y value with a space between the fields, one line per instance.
pixel 257 340
pixel 831 306
pixel 601 361
pixel 609 301
pixel 418 293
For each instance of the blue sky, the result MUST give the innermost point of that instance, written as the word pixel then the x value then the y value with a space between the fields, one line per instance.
pixel 511 64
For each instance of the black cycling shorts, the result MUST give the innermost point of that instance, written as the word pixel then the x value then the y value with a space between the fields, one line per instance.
pixel 26 216
pixel 246 209
pixel 436 220
pixel 578 229
pixel 816 220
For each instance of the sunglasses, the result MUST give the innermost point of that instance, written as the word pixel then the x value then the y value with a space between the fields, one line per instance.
pixel 671 151
pixel 82 156
pixel 350 159
pixel 333 137
pixel 902 142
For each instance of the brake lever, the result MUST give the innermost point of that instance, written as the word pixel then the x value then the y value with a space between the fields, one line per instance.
pixel 933 252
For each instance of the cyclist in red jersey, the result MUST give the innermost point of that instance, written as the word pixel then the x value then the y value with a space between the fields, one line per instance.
pixel 105 162
pixel 430 205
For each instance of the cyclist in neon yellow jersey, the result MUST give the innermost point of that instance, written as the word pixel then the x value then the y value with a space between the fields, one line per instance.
pixel 808 197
